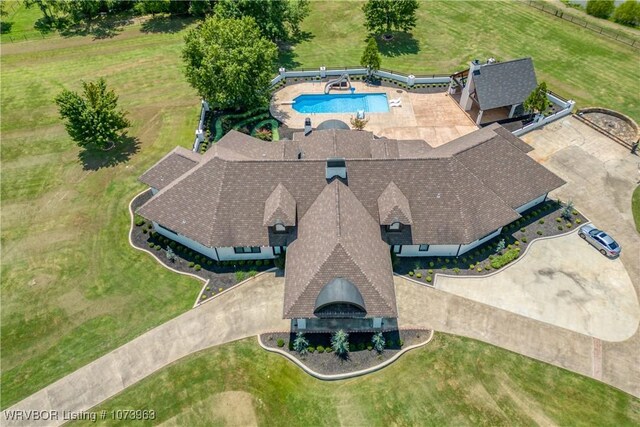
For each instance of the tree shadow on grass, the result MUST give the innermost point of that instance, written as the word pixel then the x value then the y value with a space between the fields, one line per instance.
pixel 286 54
pixel 94 158
pixel 100 28
pixel 165 24
pixel 5 27
pixel 400 44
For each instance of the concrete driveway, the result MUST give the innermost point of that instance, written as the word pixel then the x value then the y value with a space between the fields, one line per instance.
pixel 563 281
pixel 251 308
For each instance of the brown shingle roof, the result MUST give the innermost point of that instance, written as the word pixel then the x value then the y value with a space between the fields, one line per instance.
pixel 280 207
pixel 457 193
pixel 393 206
pixel 170 167
pixel 331 238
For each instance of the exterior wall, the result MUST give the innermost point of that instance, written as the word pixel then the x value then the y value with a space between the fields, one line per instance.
pixel 467 248
pixel 210 252
pixel 531 204
pixel 434 250
pixel 228 254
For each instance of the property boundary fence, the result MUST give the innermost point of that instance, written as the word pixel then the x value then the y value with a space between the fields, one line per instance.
pixel 552 10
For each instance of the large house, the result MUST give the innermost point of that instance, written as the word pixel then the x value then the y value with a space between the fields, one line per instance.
pixel 338 201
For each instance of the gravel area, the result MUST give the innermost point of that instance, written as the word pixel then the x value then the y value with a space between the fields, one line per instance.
pixel 221 275
pixel 360 357
pixel 540 221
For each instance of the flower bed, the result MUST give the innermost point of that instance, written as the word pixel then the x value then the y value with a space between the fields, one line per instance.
pixel 543 220
pixel 221 275
pixel 361 353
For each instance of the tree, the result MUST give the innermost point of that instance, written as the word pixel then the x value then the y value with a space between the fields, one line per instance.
pixel 300 344
pixel 171 256
pixel 358 124
pixel 340 342
pixel 277 19
pixel 93 118
pixel 146 7
pixel 229 63
pixel 383 16
pixel 371 57
pixel 378 342
pixel 537 101
pixel 200 8
pixel 628 13
pixel 600 8
pixel 567 211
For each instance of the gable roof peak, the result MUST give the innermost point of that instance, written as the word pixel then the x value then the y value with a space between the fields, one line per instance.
pixel 393 206
pixel 280 207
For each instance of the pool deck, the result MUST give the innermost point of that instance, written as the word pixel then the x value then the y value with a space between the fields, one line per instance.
pixel 433 117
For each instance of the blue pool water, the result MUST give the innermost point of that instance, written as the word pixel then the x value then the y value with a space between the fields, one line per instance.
pixel 341 103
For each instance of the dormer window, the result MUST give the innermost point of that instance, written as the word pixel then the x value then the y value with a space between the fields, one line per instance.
pixel 336 167
pixel 394 226
pixel 280 228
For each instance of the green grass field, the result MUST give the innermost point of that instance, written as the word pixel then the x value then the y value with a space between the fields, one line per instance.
pixel 72 288
pixel 451 381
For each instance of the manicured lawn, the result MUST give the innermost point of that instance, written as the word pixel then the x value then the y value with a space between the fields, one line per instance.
pixel 72 287
pixel 451 381
pixel 635 207
pixel 576 63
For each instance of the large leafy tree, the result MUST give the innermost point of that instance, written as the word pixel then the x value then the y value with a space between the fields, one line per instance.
pixel 628 13
pixel 537 101
pixel 600 8
pixel 93 117
pixel 371 57
pixel 229 63
pixel 278 20
pixel 384 16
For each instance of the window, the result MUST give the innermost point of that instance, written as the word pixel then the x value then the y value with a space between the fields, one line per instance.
pixel 246 249
pixel 395 226
pixel 423 248
pixel 280 228
pixel 397 249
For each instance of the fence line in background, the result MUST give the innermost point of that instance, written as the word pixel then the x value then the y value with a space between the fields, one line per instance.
pixel 552 10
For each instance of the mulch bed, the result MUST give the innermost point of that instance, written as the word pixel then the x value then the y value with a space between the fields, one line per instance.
pixel 540 221
pixel 221 275
pixel 359 358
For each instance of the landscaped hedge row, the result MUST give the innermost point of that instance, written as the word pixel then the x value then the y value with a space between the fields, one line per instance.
pixel 504 259
pixel 219 131
pixel 273 125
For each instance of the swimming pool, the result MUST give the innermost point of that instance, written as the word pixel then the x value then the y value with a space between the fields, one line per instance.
pixel 341 103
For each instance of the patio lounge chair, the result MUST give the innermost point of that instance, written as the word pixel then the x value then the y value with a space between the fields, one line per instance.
pixel 395 103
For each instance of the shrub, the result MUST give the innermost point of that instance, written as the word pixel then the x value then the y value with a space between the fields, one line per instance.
pixel 578 221
pixel 209 262
pixel 258 263
pixel 158 247
pixel 328 349
pixel 417 266
pixel 429 279
pixel 411 273
pixel 628 13
pixel 574 212
pixel 432 264
pixel 197 267
pixel 566 211
pixel 464 259
pixel 320 349
pixel 560 228
pixel 241 262
pixel 524 239
pixel 171 256
pixel 500 246
pixel 369 347
pixel 419 275
pixel 600 8
pixel 439 260
pixel 191 264
pixel 340 342
pixel 249 262
pixel 505 258
pixel 149 226
pixel 541 221
pixel 471 266
pixel 311 349
pixel 361 346
pixel 523 230
pixel 430 271
pixel 558 219
pixel 280 342
pixel 568 225
pixel 300 343
pixel 446 261
pixel 139 221
pixel 389 343
pixel 251 273
pixel 151 245
pixel 455 270
pixel 240 276
pixel 539 232
pixel 443 268
pixel 491 256
pixel 280 261
pixel 479 269
pixel 401 343
pixel 144 230
pixel 487 267
pixel 352 347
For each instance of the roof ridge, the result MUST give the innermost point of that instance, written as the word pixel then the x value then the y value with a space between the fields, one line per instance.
pixel 338 211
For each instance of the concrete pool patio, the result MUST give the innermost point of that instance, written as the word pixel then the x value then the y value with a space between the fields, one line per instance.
pixel 432 117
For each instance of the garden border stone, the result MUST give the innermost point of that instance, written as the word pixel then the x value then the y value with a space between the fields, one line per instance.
pixel 337 377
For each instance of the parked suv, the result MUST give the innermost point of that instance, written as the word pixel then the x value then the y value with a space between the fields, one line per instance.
pixel 601 240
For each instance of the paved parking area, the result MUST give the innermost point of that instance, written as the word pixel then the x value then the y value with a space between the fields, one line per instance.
pixel 563 281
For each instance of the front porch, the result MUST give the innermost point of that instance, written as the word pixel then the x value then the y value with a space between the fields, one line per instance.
pixel 346 324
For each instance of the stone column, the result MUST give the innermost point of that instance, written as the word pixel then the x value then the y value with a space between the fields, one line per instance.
pixel 513 110
pixel 479 117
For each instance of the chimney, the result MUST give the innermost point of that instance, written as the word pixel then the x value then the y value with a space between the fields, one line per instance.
pixel 307 126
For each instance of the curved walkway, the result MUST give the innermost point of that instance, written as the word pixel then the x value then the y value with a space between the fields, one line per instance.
pixel 253 307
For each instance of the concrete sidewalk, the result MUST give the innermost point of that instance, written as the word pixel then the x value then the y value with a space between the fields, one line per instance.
pixel 247 310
